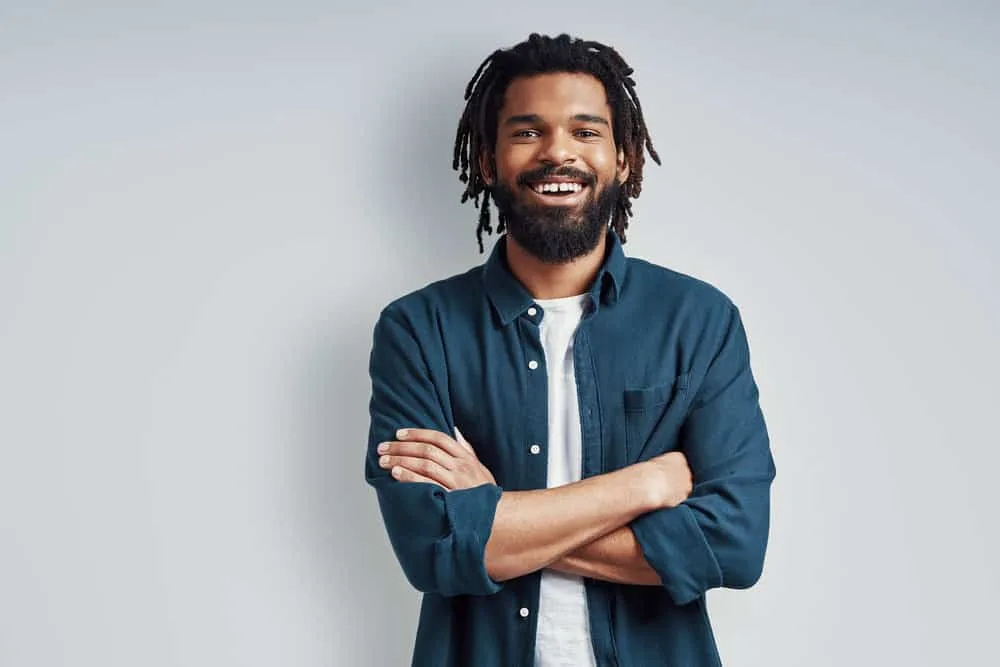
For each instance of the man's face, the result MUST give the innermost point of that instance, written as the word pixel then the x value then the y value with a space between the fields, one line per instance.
pixel 557 169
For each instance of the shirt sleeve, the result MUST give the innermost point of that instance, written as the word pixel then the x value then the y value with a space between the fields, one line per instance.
pixel 438 536
pixel 717 537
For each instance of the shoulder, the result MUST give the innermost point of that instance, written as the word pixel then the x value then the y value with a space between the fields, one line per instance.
pixel 656 285
pixel 705 319
pixel 452 294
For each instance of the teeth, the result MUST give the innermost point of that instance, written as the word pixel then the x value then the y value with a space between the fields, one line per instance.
pixel 558 187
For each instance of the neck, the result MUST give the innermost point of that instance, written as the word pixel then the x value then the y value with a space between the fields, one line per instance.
pixel 554 281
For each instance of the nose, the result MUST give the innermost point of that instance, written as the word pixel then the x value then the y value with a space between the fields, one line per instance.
pixel 557 148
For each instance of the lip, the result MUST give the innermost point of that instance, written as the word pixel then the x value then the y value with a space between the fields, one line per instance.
pixel 559 179
pixel 560 200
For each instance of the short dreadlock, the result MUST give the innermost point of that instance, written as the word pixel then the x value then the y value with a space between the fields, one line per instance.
pixel 540 54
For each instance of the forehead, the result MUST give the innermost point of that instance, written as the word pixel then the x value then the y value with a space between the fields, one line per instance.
pixel 554 95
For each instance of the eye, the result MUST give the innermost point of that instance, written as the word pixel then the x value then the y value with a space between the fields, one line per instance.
pixel 587 134
pixel 526 133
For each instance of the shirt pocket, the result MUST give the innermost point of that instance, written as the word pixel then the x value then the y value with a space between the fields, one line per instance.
pixel 653 417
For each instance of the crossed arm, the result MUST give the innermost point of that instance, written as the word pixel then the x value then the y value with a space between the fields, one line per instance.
pixel 579 528
pixel 460 535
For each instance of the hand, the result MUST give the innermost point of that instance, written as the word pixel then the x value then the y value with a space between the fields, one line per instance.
pixel 423 455
pixel 674 483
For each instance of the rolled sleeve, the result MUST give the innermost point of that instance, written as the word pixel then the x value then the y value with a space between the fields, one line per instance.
pixel 438 536
pixel 718 536
pixel 675 546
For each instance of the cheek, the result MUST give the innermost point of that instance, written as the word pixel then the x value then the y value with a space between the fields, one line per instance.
pixel 510 165
pixel 604 162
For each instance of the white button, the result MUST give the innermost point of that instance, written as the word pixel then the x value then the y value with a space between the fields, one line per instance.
pixel 535 449
pixel 532 311
pixel 524 612
pixel 532 364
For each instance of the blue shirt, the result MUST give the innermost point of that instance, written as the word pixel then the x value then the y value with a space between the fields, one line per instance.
pixel 662 363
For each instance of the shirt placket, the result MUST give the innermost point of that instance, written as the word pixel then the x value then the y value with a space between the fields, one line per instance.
pixel 534 440
pixel 594 463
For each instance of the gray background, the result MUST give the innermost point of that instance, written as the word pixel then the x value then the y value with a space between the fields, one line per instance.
pixel 204 206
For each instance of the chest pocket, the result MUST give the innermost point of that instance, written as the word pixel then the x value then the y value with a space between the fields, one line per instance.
pixel 653 417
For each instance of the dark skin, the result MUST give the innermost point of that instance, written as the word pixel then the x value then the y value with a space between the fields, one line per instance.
pixel 558 120
pixel 582 528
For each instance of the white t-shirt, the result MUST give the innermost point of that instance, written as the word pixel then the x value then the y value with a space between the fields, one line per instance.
pixel 563 636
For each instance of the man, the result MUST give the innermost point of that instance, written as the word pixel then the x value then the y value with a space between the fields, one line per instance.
pixel 566 444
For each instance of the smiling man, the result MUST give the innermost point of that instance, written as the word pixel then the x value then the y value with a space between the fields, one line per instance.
pixel 566 443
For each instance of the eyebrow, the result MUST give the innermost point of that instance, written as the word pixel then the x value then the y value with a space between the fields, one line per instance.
pixel 590 118
pixel 535 119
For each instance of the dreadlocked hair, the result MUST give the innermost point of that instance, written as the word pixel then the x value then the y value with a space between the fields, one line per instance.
pixel 477 130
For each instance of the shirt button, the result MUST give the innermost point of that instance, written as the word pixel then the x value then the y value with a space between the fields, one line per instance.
pixel 532 364
pixel 535 449
pixel 532 311
pixel 524 612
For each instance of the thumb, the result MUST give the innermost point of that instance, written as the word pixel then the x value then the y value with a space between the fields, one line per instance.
pixel 461 439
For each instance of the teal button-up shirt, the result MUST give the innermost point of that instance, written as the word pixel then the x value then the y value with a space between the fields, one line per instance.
pixel 662 363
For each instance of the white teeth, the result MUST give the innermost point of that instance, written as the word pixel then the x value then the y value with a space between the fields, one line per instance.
pixel 558 187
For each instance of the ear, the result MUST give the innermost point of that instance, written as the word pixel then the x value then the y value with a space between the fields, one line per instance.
pixel 623 170
pixel 486 167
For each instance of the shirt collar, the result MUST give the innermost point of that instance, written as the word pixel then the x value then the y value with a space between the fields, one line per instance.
pixel 510 299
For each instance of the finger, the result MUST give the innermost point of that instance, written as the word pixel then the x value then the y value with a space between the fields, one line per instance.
pixel 421 450
pixel 442 440
pixel 403 475
pixel 420 466
pixel 462 441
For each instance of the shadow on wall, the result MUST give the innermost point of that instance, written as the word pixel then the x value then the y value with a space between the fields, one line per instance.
pixel 421 214
pixel 414 208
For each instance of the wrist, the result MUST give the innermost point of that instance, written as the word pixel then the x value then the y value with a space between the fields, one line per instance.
pixel 651 485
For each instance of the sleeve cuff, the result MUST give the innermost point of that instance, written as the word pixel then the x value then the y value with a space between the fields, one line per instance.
pixel 675 547
pixel 470 515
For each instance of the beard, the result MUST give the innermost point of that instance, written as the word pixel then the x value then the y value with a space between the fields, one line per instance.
pixel 557 234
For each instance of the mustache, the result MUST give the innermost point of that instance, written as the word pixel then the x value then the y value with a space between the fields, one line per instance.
pixel 528 177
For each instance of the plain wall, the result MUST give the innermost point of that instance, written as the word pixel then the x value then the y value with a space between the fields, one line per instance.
pixel 204 206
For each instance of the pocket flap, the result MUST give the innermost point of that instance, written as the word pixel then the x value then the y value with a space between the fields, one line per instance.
pixel 637 400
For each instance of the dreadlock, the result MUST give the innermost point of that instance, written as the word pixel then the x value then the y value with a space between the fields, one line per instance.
pixel 540 54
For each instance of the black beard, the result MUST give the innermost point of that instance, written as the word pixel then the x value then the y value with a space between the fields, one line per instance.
pixel 556 234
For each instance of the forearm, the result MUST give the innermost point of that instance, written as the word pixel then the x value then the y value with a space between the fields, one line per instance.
pixel 615 557
pixel 533 529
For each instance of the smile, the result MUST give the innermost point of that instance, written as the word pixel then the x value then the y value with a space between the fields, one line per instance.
pixel 558 192
pixel 556 188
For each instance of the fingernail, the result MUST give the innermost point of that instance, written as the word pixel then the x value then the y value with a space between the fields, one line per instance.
pixel 383 447
pixel 396 472
pixel 401 433
pixel 384 461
